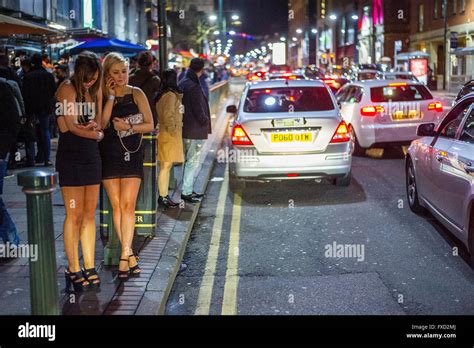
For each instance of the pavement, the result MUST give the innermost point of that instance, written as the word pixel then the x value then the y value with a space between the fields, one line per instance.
pixel 160 256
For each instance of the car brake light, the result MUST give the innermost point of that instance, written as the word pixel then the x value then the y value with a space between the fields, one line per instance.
pixel 437 106
pixel 239 136
pixel 329 82
pixel 371 110
pixel 398 84
pixel 342 135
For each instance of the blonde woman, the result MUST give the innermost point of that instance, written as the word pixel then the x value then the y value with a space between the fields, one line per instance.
pixel 78 162
pixel 122 152
pixel 170 139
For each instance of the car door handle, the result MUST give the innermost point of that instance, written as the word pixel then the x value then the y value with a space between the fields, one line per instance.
pixel 439 157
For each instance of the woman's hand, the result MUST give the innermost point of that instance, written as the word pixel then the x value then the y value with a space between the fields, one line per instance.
pixel 111 85
pixel 120 124
pixel 91 126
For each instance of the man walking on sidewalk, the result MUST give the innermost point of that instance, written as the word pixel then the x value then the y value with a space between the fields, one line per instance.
pixel 9 118
pixel 39 88
pixel 196 126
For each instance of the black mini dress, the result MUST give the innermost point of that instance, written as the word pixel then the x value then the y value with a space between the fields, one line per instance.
pixel 122 160
pixel 78 161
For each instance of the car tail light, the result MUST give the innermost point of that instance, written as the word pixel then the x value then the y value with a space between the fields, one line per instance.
pixel 329 82
pixel 292 175
pixel 239 136
pixel 398 84
pixel 371 111
pixel 343 133
pixel 437 106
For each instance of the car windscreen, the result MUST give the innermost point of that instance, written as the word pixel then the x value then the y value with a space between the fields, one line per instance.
pixel 288 99
pixel 399 93
pixel 367 76
pixel 400 77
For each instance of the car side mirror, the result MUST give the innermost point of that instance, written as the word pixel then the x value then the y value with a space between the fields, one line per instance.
pixel 426 130
pixel 232 109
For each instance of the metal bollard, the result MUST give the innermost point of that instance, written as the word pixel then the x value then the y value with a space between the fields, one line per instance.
pixel 145 211
pixel 38 186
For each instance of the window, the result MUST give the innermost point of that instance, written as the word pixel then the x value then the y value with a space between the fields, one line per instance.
pixel 451 129
pixel 435 9
pixel 343 93
pixel 467 134
pixel 421 17
pixel 400 93
pixel 462 6
pixel 455 6
pixel 288 99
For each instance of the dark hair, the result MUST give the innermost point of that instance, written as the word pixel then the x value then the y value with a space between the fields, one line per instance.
pixel 145 59
pixel 86 66
pixel 197 64
pixel 3 60
pixel 37 61
pixel 169 83
pixel 26 62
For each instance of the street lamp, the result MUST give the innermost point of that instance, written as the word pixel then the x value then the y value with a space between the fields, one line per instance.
pixel 213 18
pixel 232 32
pixel 333 17
pixel 283 39
pixel 235 17
pixel 314 31
pixel 299 31
pixel 355 17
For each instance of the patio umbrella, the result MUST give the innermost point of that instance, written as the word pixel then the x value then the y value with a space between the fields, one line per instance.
pixel 107 45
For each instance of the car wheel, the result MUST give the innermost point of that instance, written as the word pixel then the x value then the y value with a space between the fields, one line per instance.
pixel 344 181
pixel 235 184
pixel 359 151
pixel 412 189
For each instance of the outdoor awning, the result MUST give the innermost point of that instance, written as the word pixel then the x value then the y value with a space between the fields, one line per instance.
pixel 107 45
pixel 412 55
pixel 465 51
pixel 10 26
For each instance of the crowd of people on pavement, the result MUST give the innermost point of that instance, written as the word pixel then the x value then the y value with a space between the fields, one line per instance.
pixel 100 108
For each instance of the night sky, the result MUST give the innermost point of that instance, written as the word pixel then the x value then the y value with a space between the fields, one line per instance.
pixel 260 18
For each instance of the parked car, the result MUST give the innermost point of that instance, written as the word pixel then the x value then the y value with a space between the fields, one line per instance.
pixel 440 171
pixel 386 112
pixel 288 130
pixel 466 89
pixel 398 76
pixel 286 76
pixel 364 75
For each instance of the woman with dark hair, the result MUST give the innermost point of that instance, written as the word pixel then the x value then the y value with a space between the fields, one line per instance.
pixel 169 108
pixel 78 162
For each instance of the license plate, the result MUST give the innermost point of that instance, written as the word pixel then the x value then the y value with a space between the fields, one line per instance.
pixel 401 115
pixel 292 137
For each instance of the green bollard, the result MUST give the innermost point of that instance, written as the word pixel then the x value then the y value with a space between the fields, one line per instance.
pixel 38 186
pixel 145 211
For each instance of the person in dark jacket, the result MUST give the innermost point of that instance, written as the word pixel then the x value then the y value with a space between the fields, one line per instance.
pixel 39 88
pixel 9 118
pixel 147 81
pixel 6 71
pixel 196 126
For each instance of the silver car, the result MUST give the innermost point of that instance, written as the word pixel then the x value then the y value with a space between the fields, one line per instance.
pixel 401 75
pixel 289 130
pixel 440 171
pixel 382 111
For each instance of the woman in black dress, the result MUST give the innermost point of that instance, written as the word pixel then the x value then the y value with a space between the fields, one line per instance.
pixel 122 157
pixel 78 162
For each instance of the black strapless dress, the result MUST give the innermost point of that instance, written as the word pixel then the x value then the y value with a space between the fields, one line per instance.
pixel 117 162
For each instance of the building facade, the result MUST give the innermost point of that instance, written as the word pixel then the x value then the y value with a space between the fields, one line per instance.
pixel 453 58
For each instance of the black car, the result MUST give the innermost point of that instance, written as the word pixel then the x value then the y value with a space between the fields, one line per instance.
pixel 466 89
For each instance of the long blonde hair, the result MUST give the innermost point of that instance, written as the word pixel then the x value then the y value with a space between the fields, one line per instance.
pixel 110 60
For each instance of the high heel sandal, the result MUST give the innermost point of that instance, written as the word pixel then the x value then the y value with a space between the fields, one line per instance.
pixel 77 280
pixel 123 275
pixel 88 274
pixel 135 270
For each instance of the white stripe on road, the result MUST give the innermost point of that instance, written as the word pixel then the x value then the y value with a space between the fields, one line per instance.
pixel 205 292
